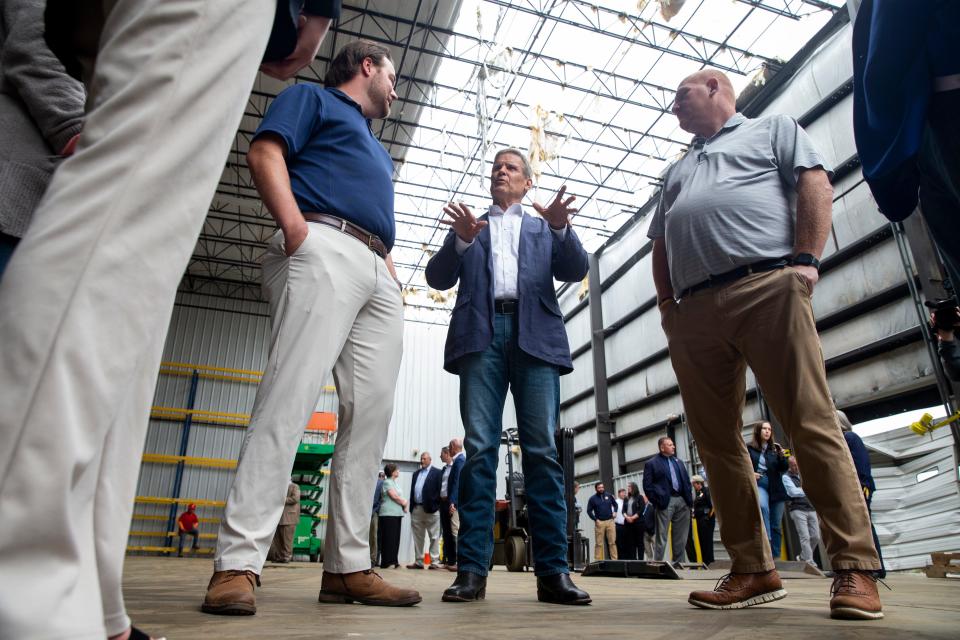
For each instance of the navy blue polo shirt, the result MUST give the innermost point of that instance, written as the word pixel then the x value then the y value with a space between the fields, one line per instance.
pixel 336 164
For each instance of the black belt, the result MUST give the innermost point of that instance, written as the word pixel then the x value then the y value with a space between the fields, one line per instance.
pixel 373 241
pixel 735 274
pixel 505 306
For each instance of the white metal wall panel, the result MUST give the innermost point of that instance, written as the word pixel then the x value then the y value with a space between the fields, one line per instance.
pixel 426 411
pixel 915 518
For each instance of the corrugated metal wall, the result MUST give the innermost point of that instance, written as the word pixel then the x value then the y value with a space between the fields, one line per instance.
pixel 915 515
pixel 234 334
pixel 861 301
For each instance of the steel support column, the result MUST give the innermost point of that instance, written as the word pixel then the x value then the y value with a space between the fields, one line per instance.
pixel 605 425
pixel 184 441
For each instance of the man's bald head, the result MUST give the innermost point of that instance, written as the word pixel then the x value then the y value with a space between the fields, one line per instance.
pixel 456 446
pixel 714 78
pixel 705 100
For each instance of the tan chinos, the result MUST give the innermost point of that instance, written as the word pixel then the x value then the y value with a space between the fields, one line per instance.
pixel 334 306
pixel 604 530
pixel 765 321
pixel 86 301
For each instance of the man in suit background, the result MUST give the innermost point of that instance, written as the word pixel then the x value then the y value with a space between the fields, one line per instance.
pixel 667 485
pixel 507 332
pixel 424 505
pixel 446 530
pixel 375 522
pixel 452 489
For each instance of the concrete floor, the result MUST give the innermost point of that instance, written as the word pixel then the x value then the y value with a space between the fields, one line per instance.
pixel 164 595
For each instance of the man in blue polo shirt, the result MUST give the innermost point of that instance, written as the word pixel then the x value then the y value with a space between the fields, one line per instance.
pixel 335 305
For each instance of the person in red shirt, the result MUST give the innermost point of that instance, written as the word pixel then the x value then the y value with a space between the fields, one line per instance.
pixel 188 525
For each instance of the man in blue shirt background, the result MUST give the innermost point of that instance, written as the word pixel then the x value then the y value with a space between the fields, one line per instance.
pixel 602 509
pixel 335 305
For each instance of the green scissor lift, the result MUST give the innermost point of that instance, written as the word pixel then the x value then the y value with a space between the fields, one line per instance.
pixel 307 466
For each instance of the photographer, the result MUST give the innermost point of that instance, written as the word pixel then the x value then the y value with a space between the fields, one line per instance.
pixel 944 321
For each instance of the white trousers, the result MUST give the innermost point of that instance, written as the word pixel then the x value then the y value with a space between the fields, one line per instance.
pixel 86 300
pixel 425 524
pixel 808 530
pixel 333 305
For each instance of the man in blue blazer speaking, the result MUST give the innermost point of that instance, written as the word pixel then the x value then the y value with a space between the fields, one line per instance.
pixel 507 332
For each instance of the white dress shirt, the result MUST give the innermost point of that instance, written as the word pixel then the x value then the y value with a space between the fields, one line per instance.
pixel 618 517
pixel 443 482
pixel 421 480
pixel 505 247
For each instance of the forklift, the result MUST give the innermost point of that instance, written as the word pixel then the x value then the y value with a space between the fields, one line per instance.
pixel 512 544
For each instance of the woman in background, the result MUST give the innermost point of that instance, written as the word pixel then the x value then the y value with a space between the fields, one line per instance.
pixel 769 464
pixel 392 508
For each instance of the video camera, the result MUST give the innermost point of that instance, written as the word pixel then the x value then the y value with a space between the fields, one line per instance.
pixel 944 314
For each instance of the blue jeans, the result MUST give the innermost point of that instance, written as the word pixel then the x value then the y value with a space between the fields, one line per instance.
pixel 772 519
pixel 484 379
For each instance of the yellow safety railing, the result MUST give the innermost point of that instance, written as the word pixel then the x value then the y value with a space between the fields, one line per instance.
pixel 168 549
pixel 169 534
pixel 196 501
pixel 216 463
pixel 222 418
pixel 143 516
pixel 215 373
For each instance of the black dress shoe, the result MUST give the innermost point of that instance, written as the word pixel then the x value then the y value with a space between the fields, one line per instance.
pixel 559 589
pixel 466 588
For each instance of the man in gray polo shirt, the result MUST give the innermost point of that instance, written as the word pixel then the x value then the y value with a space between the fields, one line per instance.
pixel 742 220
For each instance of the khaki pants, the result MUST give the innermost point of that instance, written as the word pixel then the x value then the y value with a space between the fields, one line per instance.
pixel 765 321
pixel 86 301
pixel 425 524
pixel 604 529
pixel 281 549
pixel 333 305
pixel 374 540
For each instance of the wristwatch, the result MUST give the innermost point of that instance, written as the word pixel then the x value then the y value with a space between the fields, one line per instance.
pixel 807 260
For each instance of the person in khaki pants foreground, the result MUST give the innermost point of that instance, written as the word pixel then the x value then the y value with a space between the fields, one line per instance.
pixel 735 262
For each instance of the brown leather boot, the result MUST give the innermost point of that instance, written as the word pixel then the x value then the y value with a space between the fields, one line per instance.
pixel 854 596
pixel 230 593
pixel 740 590
pixel 365 587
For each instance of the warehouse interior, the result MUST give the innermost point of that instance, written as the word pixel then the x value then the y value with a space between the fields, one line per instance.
pixel 587 88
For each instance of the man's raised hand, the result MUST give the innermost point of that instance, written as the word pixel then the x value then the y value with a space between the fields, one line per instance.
pixel 557 213
pixel 461 219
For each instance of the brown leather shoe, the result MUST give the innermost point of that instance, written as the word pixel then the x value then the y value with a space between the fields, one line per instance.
pixel 854 596
pixel 365 587
pixel 230 593
pixel 740 590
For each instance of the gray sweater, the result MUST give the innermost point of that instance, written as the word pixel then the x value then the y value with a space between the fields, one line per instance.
pixel 41 108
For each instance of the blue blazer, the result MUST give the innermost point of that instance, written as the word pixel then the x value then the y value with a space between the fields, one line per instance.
pixel 656 482
pixel 453 482
pixel 542 258
pixel 431 489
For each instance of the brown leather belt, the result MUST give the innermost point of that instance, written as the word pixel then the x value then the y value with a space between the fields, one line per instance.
pixel 373 242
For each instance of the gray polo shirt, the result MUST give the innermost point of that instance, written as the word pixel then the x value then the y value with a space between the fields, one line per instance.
pixel 731 199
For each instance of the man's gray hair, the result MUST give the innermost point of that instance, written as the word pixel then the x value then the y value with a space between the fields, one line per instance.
pixel 527 169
